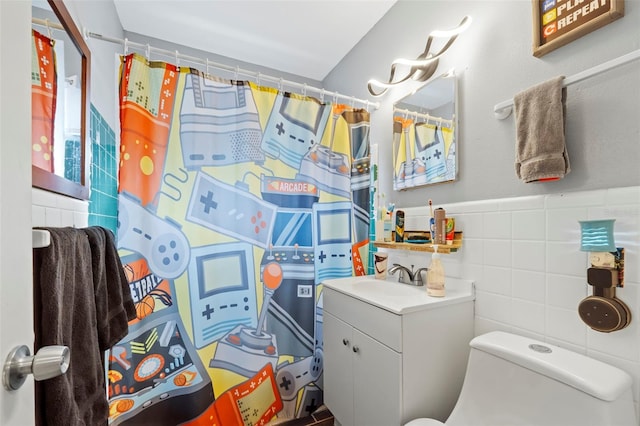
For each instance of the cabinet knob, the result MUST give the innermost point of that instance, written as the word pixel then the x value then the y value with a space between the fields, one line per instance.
pixel 345 342
pixel 356 349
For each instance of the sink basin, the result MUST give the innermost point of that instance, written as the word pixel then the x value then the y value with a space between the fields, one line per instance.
pixel 401 298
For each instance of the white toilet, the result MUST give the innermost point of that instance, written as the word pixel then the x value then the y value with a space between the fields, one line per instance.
pixel 513 380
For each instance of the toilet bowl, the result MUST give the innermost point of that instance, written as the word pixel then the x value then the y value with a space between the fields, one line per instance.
pixel 513 380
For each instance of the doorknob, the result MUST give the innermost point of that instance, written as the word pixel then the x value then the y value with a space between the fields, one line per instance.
pixel 49 362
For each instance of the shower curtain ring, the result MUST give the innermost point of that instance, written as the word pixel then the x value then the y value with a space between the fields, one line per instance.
pixel 322 96
pixel 304 89
pixel 126 46
pixel 177 59
pixel 235 76
pixel 148 52
pixel 280 84
pixel 258 78
pixel 46 21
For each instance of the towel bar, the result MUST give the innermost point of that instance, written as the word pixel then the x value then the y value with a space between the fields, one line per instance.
pixel 40 238
pixel 504 109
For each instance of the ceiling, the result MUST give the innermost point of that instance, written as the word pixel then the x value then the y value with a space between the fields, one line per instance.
pixel 307 38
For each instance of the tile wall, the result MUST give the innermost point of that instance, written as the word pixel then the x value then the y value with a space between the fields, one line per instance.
pixel 49 209
pixel 530 275
pixel 103 206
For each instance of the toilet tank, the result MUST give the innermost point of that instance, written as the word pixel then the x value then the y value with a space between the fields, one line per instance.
pixel 513 380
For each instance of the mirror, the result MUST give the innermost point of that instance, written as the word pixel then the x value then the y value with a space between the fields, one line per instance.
pixel 60 101
pixel 425 135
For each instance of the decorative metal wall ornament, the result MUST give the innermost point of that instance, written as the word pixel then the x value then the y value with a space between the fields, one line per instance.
pixel 425 65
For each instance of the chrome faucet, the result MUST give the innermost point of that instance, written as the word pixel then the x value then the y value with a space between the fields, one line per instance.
pixel 408 276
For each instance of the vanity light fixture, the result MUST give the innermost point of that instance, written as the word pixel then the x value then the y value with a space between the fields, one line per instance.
pixel 423 67
pixel 603 311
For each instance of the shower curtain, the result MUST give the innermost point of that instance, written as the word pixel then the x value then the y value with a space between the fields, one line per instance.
pixel 423 152
pixel 235 202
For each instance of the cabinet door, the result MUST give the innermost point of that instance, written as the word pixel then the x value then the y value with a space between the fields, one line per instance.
pixel 338 368
pixel 377 389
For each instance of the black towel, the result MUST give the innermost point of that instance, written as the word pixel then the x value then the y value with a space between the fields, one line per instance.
pixel 73 307
pixel 114 305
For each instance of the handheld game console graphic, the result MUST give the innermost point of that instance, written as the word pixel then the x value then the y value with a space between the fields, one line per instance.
pixel 295 125
pixel 221 290
pixel 161 242
pixel 231 210
pixel 332 240
pixel 219 123
pixel 253 402
pixel 430 151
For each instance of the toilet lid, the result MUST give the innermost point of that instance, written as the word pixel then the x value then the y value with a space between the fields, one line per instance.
pixel 424 422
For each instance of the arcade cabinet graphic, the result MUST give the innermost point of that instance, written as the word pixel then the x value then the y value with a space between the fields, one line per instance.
pixel 154 374
pixel 291 311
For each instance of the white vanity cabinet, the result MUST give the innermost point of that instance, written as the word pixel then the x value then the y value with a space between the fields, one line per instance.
pixel 386 365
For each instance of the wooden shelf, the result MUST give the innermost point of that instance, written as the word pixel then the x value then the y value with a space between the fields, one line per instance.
pixel 428 247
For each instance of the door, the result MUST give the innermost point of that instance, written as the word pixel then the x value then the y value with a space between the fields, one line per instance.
pixel 16 312
pixel 377 378
pixel 338 368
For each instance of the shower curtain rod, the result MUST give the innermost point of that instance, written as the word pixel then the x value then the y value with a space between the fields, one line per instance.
pixel 47 23
pixel 409 113
pixel 504 109
pixel 237 70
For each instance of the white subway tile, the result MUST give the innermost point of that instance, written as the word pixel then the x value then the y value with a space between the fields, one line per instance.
pixel 38 216
pixel 628 195
pixel 522 203
pixel 43 198
pixel 472 251
pixel 566 259
pixel 66 218
pixel 623 343
pixel 471 224
pixel 564 225
pixel 493 306
pixel 484 325
pixel 528 225
pixel 528 285
pixel 575 199
pixel 564 291
pixel 497 225
pixel 529 255
pixel 528 315
pixel 497 253
pixel 565 324
pixel 53 217
pixel 495 280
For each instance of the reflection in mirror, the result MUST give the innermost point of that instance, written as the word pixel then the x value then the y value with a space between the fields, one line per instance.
pixel 425 135
pixel 60 65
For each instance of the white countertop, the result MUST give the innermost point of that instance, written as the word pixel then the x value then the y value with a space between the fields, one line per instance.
pixel 401 298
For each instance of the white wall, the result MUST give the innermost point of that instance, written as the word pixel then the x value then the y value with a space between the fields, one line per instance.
pixel 494 61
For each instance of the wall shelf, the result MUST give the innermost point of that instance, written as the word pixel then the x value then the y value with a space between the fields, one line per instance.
pixel 428 247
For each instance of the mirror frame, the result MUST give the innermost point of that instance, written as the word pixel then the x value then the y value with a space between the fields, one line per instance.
pixel 49 181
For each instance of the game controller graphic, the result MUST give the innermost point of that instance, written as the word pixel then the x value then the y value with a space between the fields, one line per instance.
pixel 231 210
pixel 161 242
pixel 292 377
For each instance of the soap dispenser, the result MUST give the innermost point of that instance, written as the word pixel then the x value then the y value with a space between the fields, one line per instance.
pixel 435 275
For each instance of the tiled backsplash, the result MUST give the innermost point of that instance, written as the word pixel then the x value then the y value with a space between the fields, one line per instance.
pixel 49 209
pixel 103 204
pixel 524 255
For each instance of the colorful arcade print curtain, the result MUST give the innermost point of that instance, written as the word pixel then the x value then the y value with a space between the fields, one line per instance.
pixel 44 90
pixel 235 202
pixel 424 152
